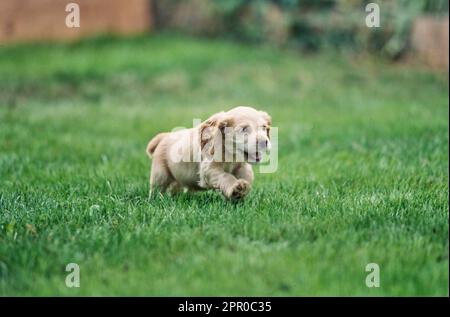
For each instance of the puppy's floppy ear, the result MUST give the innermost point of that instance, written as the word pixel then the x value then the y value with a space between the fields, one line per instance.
pixel 268 120
pixel 208 129
pixel 213 127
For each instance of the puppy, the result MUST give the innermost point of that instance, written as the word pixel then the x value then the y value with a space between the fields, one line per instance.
pixel 213 155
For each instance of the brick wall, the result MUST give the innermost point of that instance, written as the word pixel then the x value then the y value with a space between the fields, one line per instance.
pixel 40 20
pixel 430 41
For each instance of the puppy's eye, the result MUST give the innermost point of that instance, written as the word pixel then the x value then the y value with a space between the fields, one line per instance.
pixel 245 129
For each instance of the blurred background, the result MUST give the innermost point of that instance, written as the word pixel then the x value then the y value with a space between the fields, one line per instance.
pixel 409 29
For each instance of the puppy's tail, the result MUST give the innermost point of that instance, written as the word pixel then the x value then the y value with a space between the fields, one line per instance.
pixel 151 146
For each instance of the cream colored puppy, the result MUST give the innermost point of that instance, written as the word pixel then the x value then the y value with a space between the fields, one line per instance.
pixel 213 155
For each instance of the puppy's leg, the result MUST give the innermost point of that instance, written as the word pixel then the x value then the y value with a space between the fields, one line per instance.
pixel 175 188
pixel 160 177
pixel 244 171
pixel 231 187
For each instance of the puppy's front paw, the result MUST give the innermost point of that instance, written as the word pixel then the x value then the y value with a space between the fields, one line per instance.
pixel 238 190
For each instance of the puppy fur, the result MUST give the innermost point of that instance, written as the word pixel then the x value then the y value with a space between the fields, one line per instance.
pixel 210 170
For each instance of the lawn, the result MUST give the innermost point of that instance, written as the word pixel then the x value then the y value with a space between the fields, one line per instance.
pixel 362 175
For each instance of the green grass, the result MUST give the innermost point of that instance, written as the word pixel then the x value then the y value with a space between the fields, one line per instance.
pixel 362 177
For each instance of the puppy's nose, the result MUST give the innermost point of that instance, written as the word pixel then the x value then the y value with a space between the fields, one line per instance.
pixel 262 144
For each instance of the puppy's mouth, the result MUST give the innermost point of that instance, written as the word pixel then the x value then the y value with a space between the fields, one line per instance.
pixel 254 157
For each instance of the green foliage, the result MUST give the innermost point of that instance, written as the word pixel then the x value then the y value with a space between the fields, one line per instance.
pixel 436 6
pixel 314 25
pixel 363 172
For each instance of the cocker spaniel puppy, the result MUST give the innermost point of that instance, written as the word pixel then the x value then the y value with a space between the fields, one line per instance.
pixel 213 155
